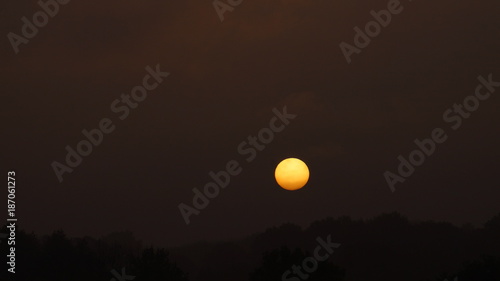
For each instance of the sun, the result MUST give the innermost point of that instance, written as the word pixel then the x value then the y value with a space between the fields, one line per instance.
pixel 292 174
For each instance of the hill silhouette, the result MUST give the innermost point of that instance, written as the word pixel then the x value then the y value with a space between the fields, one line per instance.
pixel 387 247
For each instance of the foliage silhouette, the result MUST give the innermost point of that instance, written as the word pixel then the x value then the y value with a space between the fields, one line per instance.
pixel 154 265
pixel 277 262
pixel 387 247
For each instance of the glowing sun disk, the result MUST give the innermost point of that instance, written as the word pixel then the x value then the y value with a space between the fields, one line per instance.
pixel 291 174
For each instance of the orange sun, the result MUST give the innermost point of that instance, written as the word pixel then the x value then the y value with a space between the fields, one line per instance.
pixel 292 174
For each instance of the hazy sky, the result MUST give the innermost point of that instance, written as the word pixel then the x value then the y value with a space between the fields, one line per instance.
pixel 353 120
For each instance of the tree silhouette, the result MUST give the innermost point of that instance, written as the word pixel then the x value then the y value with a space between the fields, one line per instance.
pixel 154 265
pixel 388 247
pixel 277 262
pixel 486 269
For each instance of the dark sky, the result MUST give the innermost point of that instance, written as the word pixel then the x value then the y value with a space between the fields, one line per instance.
pixel 353 120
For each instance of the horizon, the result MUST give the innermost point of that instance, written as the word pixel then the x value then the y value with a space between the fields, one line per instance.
pixel 246 236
